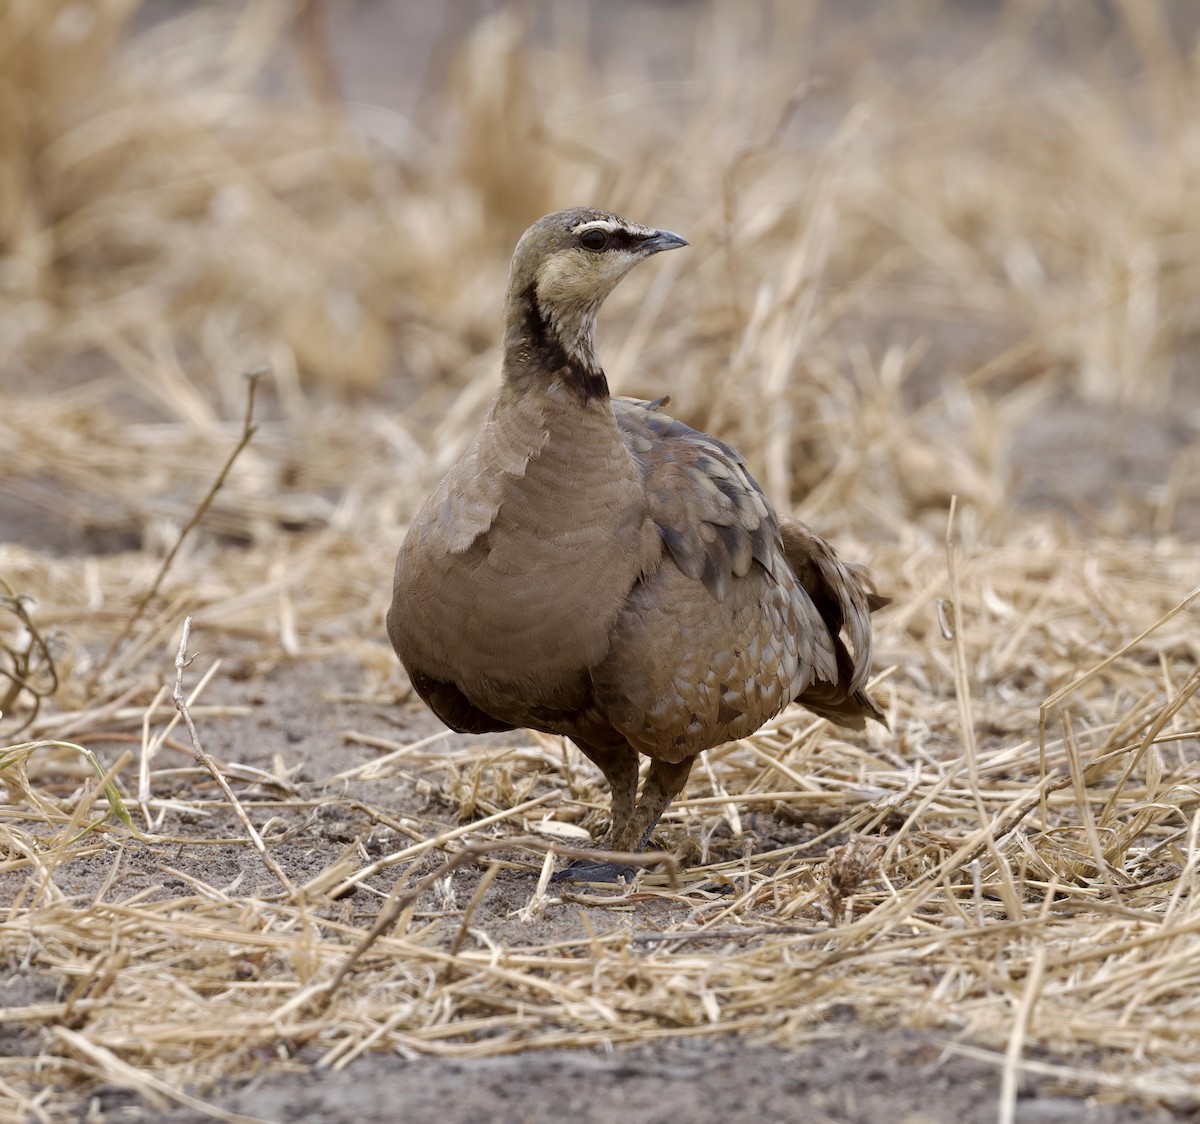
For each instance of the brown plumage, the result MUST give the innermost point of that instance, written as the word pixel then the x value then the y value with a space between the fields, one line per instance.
pixel 594 568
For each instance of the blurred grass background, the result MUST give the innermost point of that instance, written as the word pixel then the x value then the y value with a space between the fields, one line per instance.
pixel 919 229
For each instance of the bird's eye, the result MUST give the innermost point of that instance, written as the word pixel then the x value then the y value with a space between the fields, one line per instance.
pixel 593 239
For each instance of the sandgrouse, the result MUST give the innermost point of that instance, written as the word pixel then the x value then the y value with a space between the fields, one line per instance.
pixel 594 568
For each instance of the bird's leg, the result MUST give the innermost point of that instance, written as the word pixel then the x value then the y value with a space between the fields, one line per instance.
pixel 620 768
pixel 663 784
pixel 631 831
pixel 619 764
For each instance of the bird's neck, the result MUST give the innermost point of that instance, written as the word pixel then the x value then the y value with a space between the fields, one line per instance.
pixel 552 343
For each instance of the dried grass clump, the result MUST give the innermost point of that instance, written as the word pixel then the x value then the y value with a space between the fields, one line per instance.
pixel 995 887
pixel 161 210
pixel 895 266
pixel 52 55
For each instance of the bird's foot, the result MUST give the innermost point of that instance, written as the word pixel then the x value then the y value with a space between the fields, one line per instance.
pixel 589 870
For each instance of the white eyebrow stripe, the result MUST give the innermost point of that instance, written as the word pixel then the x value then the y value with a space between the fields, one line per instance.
pixel 607 225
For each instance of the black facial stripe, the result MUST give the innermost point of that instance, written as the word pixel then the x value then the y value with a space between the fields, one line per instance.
pixel 552 356
pixel 623 240
pixel 535 324
pixel 618 238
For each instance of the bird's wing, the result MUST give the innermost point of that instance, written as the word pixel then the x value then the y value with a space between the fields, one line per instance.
pixel 842 592
pixel 845 598
pixel 721 635
pixel 712 517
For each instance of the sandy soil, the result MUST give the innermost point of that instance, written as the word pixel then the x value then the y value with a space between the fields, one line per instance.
pixel 854 1076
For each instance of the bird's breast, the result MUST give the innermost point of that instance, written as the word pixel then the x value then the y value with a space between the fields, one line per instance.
pixel 527 607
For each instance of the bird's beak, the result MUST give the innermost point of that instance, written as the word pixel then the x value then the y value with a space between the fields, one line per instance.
pixel 662 240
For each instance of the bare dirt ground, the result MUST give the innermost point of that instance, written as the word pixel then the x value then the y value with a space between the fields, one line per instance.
pixel 849 1075
pixel 160 972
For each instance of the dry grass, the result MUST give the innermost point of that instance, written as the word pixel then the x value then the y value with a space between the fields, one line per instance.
pixel 896 264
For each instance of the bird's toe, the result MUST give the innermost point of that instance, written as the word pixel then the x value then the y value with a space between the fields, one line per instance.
pixel 588 870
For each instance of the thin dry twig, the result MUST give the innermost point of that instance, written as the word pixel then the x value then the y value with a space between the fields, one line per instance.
pixel 249 428
pixel 1022 1018
pixel 30 668
pixel 962 681
pixel 157 1092
pixel 183 661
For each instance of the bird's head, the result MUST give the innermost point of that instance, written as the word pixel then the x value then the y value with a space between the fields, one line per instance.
pixel 564 266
